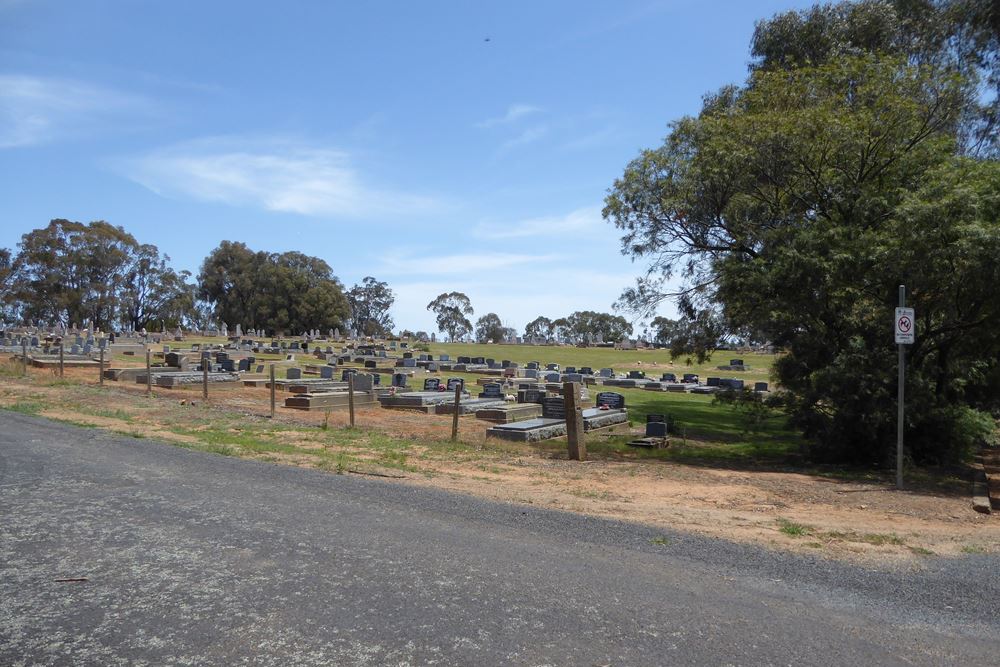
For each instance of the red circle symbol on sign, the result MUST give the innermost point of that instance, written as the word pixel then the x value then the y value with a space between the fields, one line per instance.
pixel 904 324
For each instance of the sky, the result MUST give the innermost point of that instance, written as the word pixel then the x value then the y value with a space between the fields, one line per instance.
pixel 437 146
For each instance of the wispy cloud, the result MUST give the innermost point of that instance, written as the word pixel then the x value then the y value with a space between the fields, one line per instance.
pixel 274 174
pixel 528 136
pixel 36 110
pixel 514 113
pixel 586 218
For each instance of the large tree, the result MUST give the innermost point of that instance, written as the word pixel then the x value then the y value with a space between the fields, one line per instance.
pixel 489 328
pixel 70 272
pixel 289 292
pixel 540 327
pixel 370 303
pixel 452 311
pixel 153 293
pixel 791 204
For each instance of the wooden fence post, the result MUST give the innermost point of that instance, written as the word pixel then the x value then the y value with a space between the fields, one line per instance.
pixel 350 396
pixel 149 373
pixel 272 391
pixel 100 371
pixel 454 417
pixel 574 422
pixel 62 367
pixel 204 378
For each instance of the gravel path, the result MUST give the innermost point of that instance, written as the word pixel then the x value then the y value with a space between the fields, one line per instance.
pixel 194 559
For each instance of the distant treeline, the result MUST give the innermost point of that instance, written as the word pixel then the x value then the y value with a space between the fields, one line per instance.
pixel 75 273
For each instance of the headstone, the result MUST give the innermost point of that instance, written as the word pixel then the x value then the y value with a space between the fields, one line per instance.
pixel 366 381
pixel 552 377
pixel 553 407
pixel 409 363
pixel 531 373
pixel 690 378
pixel 371 363
pixel 293 374
pixel 607 372
pixel 444 357
pixel 656 429
pixel 399 379
pixel 229 365
pixel 612 399
pixel 432 384
pixel 326 372
pixel 492 390
pixel 552 367
pixel 453 382
pixel 636 375
pixel 532 365
pixel 530 395
pixel 760 386
pixel 668 377
pixel 346 373
pixel 735 362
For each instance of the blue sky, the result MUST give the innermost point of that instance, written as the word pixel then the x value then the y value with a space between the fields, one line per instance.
pixel 391 139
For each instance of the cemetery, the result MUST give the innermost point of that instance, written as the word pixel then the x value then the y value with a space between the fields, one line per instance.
pixel 633 405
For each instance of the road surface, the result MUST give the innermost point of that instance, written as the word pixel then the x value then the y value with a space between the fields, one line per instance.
pixel 197 559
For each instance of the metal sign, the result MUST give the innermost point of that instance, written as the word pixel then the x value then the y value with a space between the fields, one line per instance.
pixel 904 326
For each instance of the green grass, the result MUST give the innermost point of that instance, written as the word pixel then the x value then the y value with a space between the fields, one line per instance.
pixel 973 549
pixel 619 360
pixel 25 407
pixel 660 541
pixel 793 529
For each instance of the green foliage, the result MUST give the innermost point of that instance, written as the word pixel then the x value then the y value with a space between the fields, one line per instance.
pixel 490 328
pixel 452 311
pixel 540 327
pixel 288 292
pixel 797 204
pixel 72 272
pixel 370 303
pixel 575 327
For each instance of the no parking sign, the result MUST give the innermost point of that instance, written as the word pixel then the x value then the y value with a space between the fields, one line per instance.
pixel 904 326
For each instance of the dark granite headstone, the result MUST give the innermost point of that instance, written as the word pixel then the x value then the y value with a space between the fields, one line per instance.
pixel 432 384
pixel 453 382
pixel 656 429
pixel 347 372
pixel 668 377
pixel 636 375
pixel 553 407
pixel 611 399
pixel 293 374
pixel 690 378
pixel 492 390
pixel 760 386
pixel 371 363
pixel 399 379
pixel 326 372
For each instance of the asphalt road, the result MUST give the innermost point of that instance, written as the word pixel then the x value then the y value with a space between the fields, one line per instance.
pixel 196 559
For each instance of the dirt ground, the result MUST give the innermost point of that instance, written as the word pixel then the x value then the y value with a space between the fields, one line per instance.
pixel 832 517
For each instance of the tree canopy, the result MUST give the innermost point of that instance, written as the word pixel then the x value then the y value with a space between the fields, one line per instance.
pixel 71 272
pixel 370 303
pixel 794 205
pixel 290 292
pixel 452 311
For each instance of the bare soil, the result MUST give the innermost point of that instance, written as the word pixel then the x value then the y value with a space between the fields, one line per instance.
pixel 839 518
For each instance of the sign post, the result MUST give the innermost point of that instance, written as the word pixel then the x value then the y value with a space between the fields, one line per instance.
pixel 904 330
